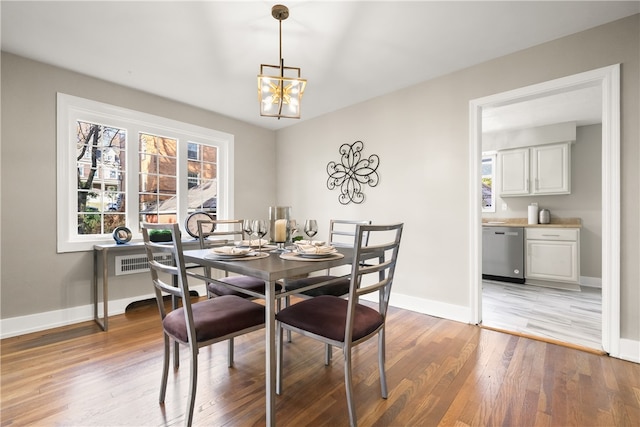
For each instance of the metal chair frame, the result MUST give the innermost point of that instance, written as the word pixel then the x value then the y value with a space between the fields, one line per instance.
pixel 363 272
pixel 177 286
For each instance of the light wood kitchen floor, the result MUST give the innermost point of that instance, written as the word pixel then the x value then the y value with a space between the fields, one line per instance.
pixel 574 317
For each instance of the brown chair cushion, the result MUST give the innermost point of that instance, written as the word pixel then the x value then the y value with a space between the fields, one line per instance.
pixel 215 317
pixel 245 282
pixel 326 316
pixel 336 289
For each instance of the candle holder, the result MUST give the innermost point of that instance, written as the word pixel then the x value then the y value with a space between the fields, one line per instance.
pixel 281 233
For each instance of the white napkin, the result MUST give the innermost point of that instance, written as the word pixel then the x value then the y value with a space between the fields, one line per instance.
pixel 253 243
pixel 311 242
pixel 231 250
pixel 313 249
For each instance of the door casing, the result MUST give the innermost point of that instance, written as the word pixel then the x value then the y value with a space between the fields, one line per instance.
pixel 608 78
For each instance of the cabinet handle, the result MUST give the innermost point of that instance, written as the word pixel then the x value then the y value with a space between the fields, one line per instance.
pixel 551 235
pixel 526 185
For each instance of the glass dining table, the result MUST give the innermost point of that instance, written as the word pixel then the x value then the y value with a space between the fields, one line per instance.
pixel 271 269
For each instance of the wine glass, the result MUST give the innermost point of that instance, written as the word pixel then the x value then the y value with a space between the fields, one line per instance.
pixel 260 229
pixel 293 228
pixel 310 229
pixel 247 228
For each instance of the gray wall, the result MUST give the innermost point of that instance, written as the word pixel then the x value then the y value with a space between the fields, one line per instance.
pixel 35 278
pixel 421 134
pixel 584 202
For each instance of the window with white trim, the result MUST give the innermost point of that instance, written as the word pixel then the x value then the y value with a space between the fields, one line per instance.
pixel 488 182
pixel 119 167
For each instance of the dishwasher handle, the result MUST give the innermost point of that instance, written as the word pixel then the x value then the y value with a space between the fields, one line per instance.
pixel 506 233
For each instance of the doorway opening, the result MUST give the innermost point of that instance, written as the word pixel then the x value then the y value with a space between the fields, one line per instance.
pixel 608 79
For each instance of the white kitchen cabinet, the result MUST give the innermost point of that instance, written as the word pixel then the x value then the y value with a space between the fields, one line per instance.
pixel 513 167
pixel 539 170
pixel 552 254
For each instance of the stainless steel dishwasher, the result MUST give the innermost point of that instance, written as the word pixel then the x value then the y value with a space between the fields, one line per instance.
pixel 503 254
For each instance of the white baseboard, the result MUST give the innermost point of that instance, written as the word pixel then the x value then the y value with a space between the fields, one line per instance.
pixel 21 325
pixel 629 350
pixel 424 306
pixel 591 282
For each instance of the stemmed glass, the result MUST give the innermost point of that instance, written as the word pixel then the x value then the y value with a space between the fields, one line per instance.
pixel 260 229
pixel 310 229
pixel 293 228
pixel 247 228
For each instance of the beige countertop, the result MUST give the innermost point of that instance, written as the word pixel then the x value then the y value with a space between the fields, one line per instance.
pixel 523 222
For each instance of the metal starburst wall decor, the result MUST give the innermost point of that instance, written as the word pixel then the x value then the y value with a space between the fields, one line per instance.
pixel 352 172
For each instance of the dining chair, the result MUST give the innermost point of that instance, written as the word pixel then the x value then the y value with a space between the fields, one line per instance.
pixel 227 232
pixel 342 233
pixel 198 324
pixel 346 323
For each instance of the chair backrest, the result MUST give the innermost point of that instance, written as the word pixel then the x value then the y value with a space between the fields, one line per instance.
pixel 171 279
pixel 342 232
pixel 373 266
pixel 222 232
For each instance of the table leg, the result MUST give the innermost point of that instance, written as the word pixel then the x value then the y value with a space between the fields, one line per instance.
pixel 105 315
pixel 105 289
pixel 95 287
pixel 270 353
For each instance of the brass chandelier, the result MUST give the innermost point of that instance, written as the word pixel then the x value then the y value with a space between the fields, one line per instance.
pixel 280 95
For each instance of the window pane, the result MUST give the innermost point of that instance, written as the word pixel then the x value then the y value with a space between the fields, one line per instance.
pixel 159 209
pixel 488 190
pixel 204 196
pixel 193 179
pixel 487 193
pixel 148 162
pixel 487 166
pixel 167 166
pixel 100 159
pixel 89 223
pixel 193 151
pixel 209 154
pixel 209 171
pixel 158 183
pixel 113 221
pixel 114 201
pixel 203 183
pixel 194 167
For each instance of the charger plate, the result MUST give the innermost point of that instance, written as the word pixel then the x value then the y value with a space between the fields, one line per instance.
pixel 293 256
pixel 244 257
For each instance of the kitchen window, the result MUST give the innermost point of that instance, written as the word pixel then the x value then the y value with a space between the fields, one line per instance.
pixel 488 182
pixel 119 167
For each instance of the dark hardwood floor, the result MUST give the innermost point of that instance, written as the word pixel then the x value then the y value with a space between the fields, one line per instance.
pixel 439 373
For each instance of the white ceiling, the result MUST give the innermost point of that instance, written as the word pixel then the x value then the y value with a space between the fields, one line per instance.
pixel 208 53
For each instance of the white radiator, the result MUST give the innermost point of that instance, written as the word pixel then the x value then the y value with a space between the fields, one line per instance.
pixel 130 264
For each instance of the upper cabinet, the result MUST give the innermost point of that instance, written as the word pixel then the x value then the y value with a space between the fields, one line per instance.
pixel 539 170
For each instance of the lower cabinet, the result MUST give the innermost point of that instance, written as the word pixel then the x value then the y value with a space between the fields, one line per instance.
pixel 553 254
